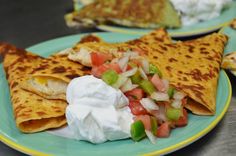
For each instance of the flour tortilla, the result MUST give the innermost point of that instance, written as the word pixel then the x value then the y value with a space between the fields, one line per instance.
pixel 193 68
pixel 32 112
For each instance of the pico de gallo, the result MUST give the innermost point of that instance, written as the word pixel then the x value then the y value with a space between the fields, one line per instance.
pixel 156 105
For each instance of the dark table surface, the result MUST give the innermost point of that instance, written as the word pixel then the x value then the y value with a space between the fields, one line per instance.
pixel 27 22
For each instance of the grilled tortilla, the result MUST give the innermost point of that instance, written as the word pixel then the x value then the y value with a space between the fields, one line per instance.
pixel 131 13
pixel 52 75
pixel 193 67
pixel 32 112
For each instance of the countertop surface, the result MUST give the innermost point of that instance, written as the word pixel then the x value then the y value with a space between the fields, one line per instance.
pixel 27 22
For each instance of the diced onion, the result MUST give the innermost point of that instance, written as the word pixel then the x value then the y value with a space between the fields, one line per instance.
pixel 143 74
pixel 149 104
pixel 130 72
pixel 166 84
pixel 115 60
pixel 150 136
pixel 121 81
pixel 145 65
pixel 160 114
pixel 131 54
pixel 123 62
pixel 127 86
pixel 176 103
pixel 178 95
pixel 159 96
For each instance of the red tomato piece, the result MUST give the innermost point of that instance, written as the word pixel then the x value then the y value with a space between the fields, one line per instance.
pixel 137 108
pixel 158 83
pixel 99 58
pixel 163 130
pixel 135 94
pixel 183 120
pixel 115 66
pixel 184 101
pixel 146 119
pixel 98 71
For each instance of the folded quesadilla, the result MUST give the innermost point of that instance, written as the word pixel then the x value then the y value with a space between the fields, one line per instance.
pixel 229 61
pixel 32 112
pixel 191 66
pixel 131 13
pixel 51 76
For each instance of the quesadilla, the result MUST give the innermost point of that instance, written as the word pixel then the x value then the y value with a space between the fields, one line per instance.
pixel 52 75
pixel 229 61
pixel 32 112
pixel 131 13
pixel 191 66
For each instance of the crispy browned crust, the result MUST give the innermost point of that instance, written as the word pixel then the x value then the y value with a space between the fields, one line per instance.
pixel 134 13
pixel 32 112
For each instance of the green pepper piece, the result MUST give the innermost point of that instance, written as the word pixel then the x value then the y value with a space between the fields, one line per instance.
pixel 147 86
pixel 136 78
pixel 154 70
pixel 171 92
pixel 110 77
pixel 173 114
pixel 137 130
pixel 154 125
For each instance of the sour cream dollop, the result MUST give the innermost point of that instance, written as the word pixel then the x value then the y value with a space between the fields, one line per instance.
pixel 96 111
pixel 194 11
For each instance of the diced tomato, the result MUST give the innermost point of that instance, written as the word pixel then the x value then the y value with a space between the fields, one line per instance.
pixel 116 67
pixel 137 62
pixel 158 83
pixel 146 119
pixel 135 94
pixel 137 108
pixel 183 120
pixel 128 67
pixel 184 101
pixel 98 71
pixel 163 130
pixel 99 58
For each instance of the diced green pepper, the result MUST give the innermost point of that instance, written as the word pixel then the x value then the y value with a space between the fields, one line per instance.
pixel 154 70
pixel 110 77
pixel 173 114
pixel 120 81
pixel 154 125
pixel 137 130
pixel 147 86
pixel 136 78
pixel 171 92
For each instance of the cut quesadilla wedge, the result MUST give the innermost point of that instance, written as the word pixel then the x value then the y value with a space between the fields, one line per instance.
pixel 32 112
pixel 51 76
pixel 193 67
pixel 131 13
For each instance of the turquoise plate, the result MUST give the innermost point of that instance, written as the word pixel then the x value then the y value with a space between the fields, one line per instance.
pixel 186 31
pixel 44 143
